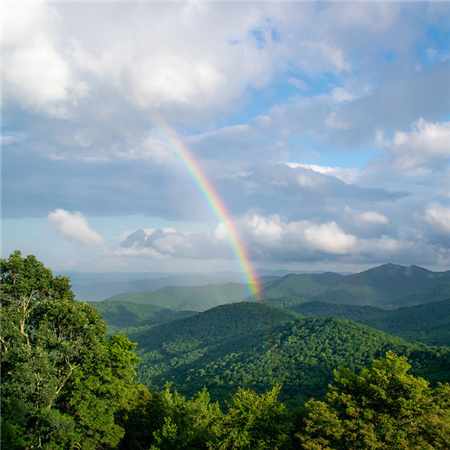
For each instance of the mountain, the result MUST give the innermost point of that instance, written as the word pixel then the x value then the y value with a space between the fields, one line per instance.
pixel 428 323
pixel 438 292
pixel 88 291
pixel 192 298
pixel 99 286
pixel 387 286
pixel 253 345
pixel 121 316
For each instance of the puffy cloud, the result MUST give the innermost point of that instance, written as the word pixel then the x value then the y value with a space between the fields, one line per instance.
pixel 276 237
pixel 347 175
pixel 168 242
pixel 269 236
pixel 329 238
pixel 286 82
pixel 366 224
pixel 427 144
pixel 35 72
pixel 74 227
pixel 438 216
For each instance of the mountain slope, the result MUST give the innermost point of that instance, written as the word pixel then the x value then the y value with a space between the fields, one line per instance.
pixel 428 323
pixel 105 289
pixel 255 346
pixel 127 316
pixel 387 286
pixel 192 298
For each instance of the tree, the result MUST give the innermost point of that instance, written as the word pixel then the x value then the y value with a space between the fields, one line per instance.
pixel 381 408
pixel 62 380
pixel 254 422
pixel 189 424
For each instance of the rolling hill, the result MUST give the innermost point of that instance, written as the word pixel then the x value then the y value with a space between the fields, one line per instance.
pixel 192 298
pixel 386 286
pixel 255 346
pixel 428 323
pixel 121 316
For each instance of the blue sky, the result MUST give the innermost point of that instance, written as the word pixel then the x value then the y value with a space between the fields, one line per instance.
pixel 324 128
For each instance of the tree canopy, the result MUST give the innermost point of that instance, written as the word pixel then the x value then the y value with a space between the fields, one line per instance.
pixel 66 385
pixel 62 379
pixel 383 407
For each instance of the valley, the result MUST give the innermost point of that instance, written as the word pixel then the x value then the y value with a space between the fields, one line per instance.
pixel 304 327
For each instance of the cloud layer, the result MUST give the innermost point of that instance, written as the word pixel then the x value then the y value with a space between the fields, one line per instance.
pixel 323 128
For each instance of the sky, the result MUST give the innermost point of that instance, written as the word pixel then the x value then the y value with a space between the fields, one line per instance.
pixel 321 129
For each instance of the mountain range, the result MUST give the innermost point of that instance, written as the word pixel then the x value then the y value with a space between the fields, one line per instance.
pixel 255 346
pixel 388 286
pixel 302 329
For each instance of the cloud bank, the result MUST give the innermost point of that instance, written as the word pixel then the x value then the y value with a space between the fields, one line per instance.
pixel 323 128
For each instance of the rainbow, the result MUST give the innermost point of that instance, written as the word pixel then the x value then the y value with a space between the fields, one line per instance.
pixel 213 200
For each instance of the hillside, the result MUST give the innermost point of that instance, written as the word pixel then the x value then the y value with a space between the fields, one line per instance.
pixel 428 323
pixel 85 289
pixel 123 316
pixel 192 298
pixel 387 286
pixel 255 345
pixel 439 292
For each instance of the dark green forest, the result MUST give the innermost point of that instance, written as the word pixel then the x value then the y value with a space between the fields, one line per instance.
pixel 290 372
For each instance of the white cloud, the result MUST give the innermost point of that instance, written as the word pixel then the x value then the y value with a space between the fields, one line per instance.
pixel 340 95
pixel 374 217
pixel 35 72
pixel 333 122
pixel 438 217
pixel 268 229
pixel 427 144
pixel 277 237
pixel 349 176
pixel 329 238
pixel 74 227
pixel 183 60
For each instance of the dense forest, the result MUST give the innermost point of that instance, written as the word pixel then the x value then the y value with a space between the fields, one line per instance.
pixel 290 372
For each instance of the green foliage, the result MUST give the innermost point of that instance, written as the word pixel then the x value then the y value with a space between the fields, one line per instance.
pixel 128 317
pixel 188 298
pixel 62 380
pixel 251 345
pixel 285 302
pixel 166 420
pixel 293 285
pixel 386 286
pixel 436 293
pixel 428 323
pixel 65 385
pixel 189 424
pixel 254 422
pixel 381 408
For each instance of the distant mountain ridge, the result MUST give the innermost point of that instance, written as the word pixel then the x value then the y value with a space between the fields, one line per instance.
pixel 100 286
pixel 192 298
pixel 428 323
pixel 106 289
pixel 387 286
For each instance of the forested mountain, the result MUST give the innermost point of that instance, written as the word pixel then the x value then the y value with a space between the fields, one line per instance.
pixel 255 346
pixel 122 316
pixel 428 323
pixel 386 286
pixel 191 298
pixel 105 289
pixel 439 292
pixel 67 385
